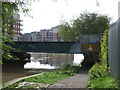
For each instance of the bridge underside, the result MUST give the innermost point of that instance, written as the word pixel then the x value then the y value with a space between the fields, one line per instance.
pixel 44 47
pixel 54 47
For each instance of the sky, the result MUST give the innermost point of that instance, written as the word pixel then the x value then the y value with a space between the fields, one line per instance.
pixel 47 13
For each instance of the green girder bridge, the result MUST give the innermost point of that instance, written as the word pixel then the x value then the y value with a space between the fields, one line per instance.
pixel 87 44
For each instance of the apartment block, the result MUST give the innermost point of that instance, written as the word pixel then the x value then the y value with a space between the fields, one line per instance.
pixel 17 27
pixel 42 35
pixel 26 37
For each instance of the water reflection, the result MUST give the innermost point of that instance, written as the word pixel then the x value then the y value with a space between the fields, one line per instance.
pixel 39 63
pixel 53 61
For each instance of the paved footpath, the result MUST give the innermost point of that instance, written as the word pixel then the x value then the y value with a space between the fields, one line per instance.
pixel 79 80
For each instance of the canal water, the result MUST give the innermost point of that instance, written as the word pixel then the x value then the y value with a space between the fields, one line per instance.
pixel 40 62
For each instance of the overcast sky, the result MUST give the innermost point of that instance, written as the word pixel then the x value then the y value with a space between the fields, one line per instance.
pixel 47 13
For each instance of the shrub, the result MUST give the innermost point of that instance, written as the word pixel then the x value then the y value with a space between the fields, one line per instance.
pixel 103 82
pixel 98 70
pixel 70 70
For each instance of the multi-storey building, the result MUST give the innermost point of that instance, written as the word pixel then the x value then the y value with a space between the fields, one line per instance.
pixel 49 35
pixel 34 36
pixel 42 35
pixel 26 37
pixel 55 33
pixel 17 27
pixel 38 36
pixel 46 35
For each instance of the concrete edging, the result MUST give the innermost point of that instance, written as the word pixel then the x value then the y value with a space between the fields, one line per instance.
pixel 19 79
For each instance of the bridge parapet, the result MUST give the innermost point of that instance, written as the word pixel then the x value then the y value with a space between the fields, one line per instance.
pixel 86 43
pixel 57 47
pixel 83 38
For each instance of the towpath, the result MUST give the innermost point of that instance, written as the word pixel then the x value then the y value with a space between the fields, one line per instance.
pixel 79 80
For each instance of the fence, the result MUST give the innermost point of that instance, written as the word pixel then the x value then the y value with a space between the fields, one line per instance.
pixel 114 49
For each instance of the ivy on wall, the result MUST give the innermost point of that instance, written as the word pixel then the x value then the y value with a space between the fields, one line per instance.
pixel 100 69
pixel 104 48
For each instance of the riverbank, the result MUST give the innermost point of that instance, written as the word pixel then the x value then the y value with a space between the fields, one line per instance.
pixel 11 71
pixel 47 78
pixel 18 79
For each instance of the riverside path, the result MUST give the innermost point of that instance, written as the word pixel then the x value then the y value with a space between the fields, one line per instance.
pixel 79 80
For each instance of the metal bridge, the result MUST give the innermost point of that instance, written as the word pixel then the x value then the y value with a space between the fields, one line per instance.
pixel 86 43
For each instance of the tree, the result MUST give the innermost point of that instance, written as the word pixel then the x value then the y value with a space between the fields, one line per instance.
pixel 91 23
pixel 8 8
pixel 66 32
pixel 86 23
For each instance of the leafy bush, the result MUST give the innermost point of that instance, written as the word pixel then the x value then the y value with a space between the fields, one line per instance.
pixel 103 82
pixel 98 70
pixel 70 70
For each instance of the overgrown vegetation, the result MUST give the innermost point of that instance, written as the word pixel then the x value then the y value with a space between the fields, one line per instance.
pixel 100 73
pixel 49 77
pixel 103 82
pixel 104 49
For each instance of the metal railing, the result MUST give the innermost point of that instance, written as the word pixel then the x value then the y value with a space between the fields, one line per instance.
pixel 82 38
